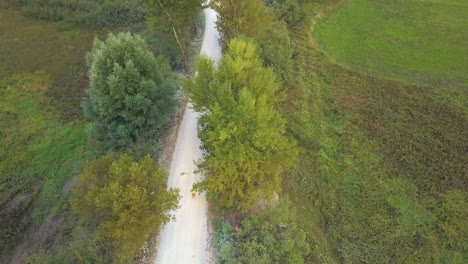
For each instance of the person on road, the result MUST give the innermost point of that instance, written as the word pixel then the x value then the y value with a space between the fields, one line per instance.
pixel 194 191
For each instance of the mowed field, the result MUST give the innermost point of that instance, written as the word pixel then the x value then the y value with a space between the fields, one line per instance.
pixel 415 40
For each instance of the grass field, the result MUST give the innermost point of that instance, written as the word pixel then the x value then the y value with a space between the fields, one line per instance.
pixel 415 40
pixel 39 154
pixel 29 45
pixel 42 81
pixel 382 176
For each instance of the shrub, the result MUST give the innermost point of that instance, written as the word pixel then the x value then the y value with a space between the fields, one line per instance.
pixel 270 236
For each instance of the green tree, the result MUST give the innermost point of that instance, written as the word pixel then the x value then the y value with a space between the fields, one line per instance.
pixel 175 17
pixel 236 18
pixel 242 132
pixel 131 93
pixel 126 199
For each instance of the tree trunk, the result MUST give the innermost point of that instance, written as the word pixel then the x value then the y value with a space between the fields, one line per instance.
pixel 178 37
pixel 181 44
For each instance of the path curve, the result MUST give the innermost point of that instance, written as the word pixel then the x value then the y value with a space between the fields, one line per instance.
pixel 185 240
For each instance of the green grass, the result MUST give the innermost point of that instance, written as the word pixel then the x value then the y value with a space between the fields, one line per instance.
pixel 415 40
pixel 381 163
pixel 37 143
pixel 39 153
pixel 43 144
pixel 30 45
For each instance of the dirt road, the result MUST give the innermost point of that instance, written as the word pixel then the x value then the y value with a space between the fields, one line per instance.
pixel 185 240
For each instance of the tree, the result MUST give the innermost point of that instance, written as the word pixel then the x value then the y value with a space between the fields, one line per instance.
pixel 242 132
pixel 249 18
pixel 175 17
pixel 131 93
pixel 127 199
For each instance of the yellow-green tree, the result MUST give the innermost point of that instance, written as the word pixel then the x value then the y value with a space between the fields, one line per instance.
pixel 249 18
pixel 127 199
pixel 242 132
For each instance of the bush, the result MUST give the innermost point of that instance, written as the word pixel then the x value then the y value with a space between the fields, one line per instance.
pixel 270 236
pixel 277 51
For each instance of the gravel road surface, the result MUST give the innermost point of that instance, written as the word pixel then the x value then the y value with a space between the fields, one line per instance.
pixel 185 240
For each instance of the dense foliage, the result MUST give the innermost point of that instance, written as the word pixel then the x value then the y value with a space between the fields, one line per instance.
pixel 127 199
pixel 277 51
pixel 247 18
pixel 241 130
pixel 175 17
pixel 267 237
pixel 94 13
pixel 131 93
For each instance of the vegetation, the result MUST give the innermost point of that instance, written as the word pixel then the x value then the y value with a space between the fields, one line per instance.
pixel 43 132
pixel 241 130
pixel 131 93
pixel 175 17
pixel 382 176
pixel 89 13
pixel 410 40
pixel 127 199
pixel 247 18
pixel 268 236
pixel 39 154
pixel 380 161
pixel 277 51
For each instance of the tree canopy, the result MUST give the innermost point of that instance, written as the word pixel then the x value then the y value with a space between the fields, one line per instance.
pixel 242 132
pixel 249 18
pixel 131 93
pixel 128 199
